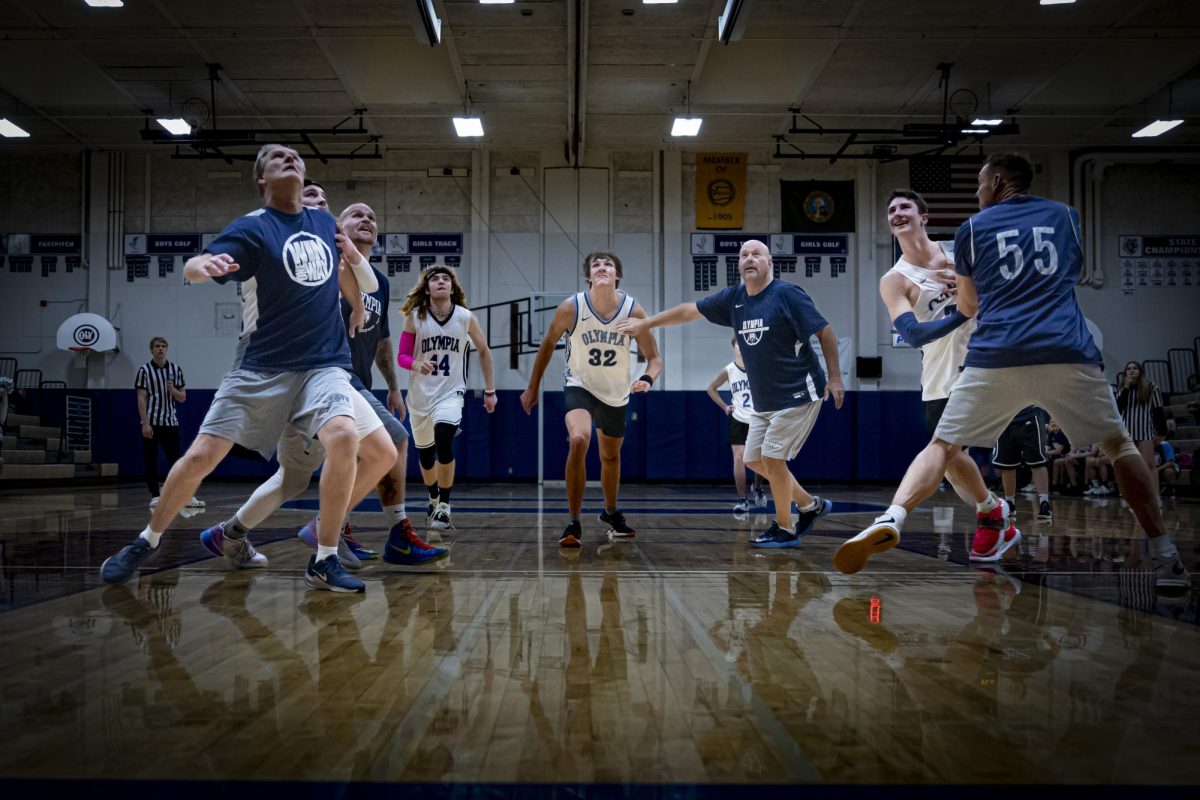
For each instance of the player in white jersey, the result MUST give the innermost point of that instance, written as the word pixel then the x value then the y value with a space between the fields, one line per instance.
pixel 739 410
pixel 438 327
pixel 597 384
pixel 920 297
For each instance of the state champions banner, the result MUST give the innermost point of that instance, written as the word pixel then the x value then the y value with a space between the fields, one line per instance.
pixel 720 190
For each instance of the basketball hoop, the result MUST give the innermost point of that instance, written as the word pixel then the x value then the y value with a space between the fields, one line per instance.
pixel 81 355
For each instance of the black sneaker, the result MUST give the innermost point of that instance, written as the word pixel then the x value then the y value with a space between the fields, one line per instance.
pixel 572 535
pixel 807 518
pixel 617 527
pixel 1044 513
pixel 775 536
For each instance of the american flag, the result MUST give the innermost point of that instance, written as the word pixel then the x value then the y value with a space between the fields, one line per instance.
pixel 948 186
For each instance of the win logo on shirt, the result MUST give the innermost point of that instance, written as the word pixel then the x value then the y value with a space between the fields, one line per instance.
pixel 307 259
pixel 752 331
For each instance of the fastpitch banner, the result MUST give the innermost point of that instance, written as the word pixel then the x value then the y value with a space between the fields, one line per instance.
pixel 720 190
pixel 817 206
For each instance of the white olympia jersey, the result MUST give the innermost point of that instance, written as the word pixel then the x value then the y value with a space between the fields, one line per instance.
pixel 739 385
pixel 445 344
pixel 941 359
pixel 598 354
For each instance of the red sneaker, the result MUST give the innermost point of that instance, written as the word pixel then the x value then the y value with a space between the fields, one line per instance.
pixel 994 534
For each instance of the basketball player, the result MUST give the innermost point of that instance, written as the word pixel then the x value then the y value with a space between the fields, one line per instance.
pixel 291 366
pixel 1017 262
pixel 597 385
pixel 299 458
pixel 438 326
pixel 739 412
pixel 919 292
pixel 774 320
pixel 313 195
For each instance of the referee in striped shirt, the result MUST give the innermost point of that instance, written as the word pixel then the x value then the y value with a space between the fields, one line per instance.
pixel 160 386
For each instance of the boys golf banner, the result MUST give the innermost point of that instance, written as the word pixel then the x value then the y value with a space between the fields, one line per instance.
pixel 720 190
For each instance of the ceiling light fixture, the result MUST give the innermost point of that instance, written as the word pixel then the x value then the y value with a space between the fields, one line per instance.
pixel 105 3
pixel 986 122
pixel 732 22
pixel 659 2
pixel 496 2
pixel 426 23
pixel 10 130
pixel 1057 2
pixel 687 125
pixel 175 127
pixel 1157 128
pixel 976 130
pixel 469 124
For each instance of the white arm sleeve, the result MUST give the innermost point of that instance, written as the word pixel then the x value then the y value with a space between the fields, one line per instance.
pixel 364 273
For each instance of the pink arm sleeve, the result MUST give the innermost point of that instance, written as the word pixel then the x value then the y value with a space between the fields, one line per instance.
pixel 408 343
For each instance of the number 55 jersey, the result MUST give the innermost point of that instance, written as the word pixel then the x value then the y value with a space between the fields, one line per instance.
pixel 597 354
pixel 444 343
pixel 1024 256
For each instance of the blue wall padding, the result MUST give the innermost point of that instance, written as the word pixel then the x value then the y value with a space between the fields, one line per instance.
pixel 670 436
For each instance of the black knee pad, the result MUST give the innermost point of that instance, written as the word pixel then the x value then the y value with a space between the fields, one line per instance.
pixel 427 456
pixel 443 440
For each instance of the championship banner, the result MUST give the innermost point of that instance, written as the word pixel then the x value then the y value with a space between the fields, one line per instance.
pixel 720 190
pixel 817 206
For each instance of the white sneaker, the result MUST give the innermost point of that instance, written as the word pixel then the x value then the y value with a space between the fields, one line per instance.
pixel 741 506
pixel 195 503
pixel 1169 573
pixel 240 554
pixel 760 498
pixel 440 519
pixel 880 536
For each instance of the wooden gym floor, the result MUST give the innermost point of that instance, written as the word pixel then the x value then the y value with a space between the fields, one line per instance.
pixel 684 660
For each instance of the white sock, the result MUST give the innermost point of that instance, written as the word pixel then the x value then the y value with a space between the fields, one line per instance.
pixel 898 514
pixel 989 503
pixel 1163 547
pixel 394 514
pixel 154 536
pixel 1043 498
pixel 811 506
pixel 324 552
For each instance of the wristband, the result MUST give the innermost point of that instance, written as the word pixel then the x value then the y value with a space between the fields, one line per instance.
pixel 489 392
pixel 647 379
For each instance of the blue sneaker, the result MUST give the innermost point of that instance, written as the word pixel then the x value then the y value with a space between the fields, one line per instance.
pixel 775 536
pixel 360 550
pixel 122 566
pixel 806 519
pixel 212 539
pixel 329 575
pixel 308 535
pixel 405 547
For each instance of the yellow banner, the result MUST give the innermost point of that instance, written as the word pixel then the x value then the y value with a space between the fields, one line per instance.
pixel 720 190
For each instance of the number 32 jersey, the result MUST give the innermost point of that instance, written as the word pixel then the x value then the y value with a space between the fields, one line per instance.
pixel 445 344
pixel 597 354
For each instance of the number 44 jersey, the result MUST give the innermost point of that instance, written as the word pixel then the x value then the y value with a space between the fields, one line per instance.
pixel 443 342
pixel 597 354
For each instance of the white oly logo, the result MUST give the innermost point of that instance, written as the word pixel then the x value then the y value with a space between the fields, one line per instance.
pixel 753 330
pixel 307 259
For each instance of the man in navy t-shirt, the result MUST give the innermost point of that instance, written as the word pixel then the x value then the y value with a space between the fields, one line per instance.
pixel 290 368
pixel 1018 260
pixel 773 321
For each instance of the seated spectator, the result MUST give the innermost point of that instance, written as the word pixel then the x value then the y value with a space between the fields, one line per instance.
pixel 1057 447
pixel 1168 467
